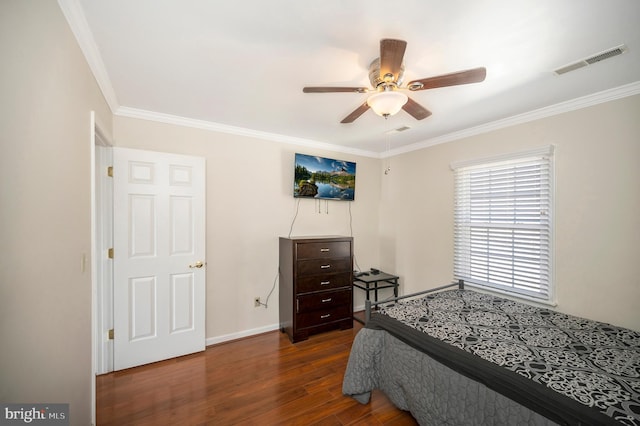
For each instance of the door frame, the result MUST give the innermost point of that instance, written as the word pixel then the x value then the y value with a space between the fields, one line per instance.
pixel 102 266
pixel 101 282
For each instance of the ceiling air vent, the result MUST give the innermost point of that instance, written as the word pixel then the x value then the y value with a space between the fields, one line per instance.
pixel 609 53
pixel 398 130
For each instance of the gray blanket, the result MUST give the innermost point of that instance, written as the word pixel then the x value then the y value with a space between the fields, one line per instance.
pixel 433 393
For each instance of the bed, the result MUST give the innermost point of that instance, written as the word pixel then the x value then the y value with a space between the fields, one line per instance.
pixel 455 356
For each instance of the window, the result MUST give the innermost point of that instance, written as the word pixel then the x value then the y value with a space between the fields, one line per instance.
pixel 502 225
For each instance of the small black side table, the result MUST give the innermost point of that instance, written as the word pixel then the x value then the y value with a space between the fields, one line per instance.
pixel 374 282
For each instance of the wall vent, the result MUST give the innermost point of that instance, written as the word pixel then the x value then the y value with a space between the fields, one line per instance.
pixel 609 53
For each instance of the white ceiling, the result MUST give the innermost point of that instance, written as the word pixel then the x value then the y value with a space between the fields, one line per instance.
pixel 239 66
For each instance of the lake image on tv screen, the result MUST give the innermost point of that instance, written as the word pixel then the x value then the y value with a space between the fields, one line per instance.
pixel 324 178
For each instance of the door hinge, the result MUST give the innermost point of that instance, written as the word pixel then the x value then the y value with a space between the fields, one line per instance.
pixel 110 253
pixel 110 171
pixel 111 334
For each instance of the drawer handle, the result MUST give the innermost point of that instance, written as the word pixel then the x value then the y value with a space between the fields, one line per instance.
pixel 325 282
pixel 324 250
pixel 325 266
pixel 325 316
pixel 326 300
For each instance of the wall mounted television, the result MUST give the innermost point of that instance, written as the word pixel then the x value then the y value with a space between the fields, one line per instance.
pixel 324 178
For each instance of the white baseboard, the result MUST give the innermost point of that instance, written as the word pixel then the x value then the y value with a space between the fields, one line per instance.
pixel 246 333
pixel 252 332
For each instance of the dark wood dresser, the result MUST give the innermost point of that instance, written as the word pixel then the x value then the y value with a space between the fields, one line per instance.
pixel 316 276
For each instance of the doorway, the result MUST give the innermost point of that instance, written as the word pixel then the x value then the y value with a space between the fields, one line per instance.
pixel 148 255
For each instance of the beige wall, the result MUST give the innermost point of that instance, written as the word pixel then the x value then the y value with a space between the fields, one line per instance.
pixel 597 217
pixel 249 205
pixel 45 164
pixel 596 224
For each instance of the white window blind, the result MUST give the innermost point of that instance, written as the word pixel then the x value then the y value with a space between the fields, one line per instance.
pixel 503 214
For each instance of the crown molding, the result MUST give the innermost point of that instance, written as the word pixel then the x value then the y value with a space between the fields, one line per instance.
pixel 72 11
pixel 559 108
pixel 238 131
pixel 562 107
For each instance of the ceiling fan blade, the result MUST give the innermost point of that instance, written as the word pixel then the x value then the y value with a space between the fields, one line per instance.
pixel 334 89
pixel 355 114
pixel 416 110
pixel 474 75
pixel 391 56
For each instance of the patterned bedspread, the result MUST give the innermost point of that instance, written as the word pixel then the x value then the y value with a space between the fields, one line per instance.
pixel 565 366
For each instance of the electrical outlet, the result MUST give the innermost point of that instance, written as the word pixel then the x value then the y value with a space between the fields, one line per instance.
pixel 256 302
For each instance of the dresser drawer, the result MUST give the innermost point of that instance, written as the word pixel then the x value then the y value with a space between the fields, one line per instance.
pixel 323 266
pixel 323 316
pixel 323 282
pixel 323 300
pixel 323 250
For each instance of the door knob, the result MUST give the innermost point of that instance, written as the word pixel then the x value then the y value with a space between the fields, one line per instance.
pixel 198 264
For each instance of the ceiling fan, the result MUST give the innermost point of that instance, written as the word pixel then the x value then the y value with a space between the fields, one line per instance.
pixel 385 75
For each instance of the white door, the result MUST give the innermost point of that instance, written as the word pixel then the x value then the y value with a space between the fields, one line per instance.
pixel 159 256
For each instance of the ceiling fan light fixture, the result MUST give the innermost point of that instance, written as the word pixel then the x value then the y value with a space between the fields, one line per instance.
pixel 387 103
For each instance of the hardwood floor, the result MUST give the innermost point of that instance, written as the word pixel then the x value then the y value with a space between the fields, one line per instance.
pixel 261 380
